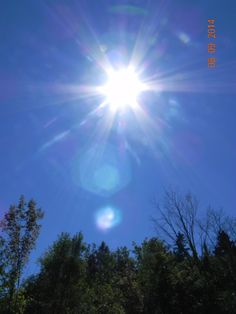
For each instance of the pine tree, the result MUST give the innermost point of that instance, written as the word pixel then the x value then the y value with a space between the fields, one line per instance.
pixel 224 245
pixel 180 248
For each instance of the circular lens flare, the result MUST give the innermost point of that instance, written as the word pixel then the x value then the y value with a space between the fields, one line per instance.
pixel 107 218
pixel 122 88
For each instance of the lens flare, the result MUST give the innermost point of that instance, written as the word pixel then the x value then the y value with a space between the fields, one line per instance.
pixel 107 218
pixel 102 170
pixel 124 9
pixel 122 89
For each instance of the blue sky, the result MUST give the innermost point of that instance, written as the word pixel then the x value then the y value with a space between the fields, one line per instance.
pixel 52 130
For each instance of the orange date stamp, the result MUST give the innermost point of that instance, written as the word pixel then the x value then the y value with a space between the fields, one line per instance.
pixel 211 47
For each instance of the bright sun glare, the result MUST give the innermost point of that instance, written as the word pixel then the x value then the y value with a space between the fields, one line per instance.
pixel 122 89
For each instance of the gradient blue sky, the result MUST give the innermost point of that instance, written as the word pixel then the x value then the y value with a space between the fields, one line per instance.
pixel 51 51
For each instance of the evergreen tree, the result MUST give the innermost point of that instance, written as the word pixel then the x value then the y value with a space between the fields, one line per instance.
pixel 224 245
pixel 180 248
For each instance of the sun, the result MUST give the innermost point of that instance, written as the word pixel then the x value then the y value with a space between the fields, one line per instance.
pixel 122 88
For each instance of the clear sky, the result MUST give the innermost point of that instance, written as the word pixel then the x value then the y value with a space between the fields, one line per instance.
pixel 90 167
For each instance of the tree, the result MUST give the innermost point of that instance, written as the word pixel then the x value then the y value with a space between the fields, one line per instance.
pixel 19 231
pixel 125 279
pixel 178 214
pixel 154 261
pixel 75 277
pixel 60 285
pixel 180 249
pixel 224 245
pixel 214 223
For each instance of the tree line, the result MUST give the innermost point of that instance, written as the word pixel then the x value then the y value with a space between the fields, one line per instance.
pixel 188 267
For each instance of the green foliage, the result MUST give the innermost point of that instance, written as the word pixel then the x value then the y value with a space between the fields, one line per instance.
pixel 19 231
pixel 59 285
pixel 153 278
